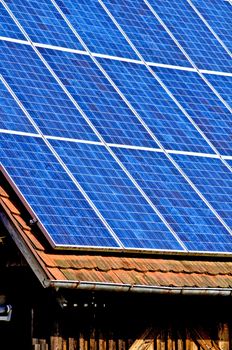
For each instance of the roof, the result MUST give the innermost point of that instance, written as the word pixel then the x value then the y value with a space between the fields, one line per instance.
pixel 73 269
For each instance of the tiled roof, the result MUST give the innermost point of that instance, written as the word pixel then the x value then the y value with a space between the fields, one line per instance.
pixel 109 268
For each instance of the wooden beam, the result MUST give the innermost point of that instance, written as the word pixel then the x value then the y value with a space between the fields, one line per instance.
pixel 145 341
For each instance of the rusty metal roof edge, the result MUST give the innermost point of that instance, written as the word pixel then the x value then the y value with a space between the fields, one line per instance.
pixel 103 286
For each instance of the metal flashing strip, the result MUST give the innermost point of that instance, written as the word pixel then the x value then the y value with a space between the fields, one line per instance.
pixel 209 27
pixel 97 212
pixel 187 56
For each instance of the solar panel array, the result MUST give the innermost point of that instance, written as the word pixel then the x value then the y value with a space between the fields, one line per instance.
pixel 115 121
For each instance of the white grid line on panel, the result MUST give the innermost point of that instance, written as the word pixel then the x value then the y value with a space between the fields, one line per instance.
pixel 115 145
pixel 144 124
pixel 116 58
pixel 209 27
pixel 14 132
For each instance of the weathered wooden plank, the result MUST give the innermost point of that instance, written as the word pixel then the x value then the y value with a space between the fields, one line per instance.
pixel 83 342
pixel 56 343
pixel 72 344
pixel 223 336
pixel 121 344
pixel 93 342
pixel 101 341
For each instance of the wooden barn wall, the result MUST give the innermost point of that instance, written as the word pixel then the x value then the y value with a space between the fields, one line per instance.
pixel 95 321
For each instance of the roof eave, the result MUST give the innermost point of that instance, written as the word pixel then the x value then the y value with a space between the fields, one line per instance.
pixel 113 287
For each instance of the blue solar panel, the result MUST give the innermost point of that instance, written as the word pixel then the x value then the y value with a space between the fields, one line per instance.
pixel 43 23
pixel 155 106
pixel 11 116
pixel 59 205
pixel 102 104
pixel 7 26
pixel 223 84
pixel 193 35
pixel 96 28
pixel 183 209
pixel 83 197
pixel 116 197
pixel 202 105
pixel 145 32
pixel 219 16
pixel 41 95
pixel 213 179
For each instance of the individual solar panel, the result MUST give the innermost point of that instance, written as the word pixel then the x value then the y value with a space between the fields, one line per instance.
pixel 194 223
pixel 11 116
pixel 194 36
pixel 57 202
pixel 202 105
pixel 96 28
pixel 223 84
pixel 98 99
pixel 145 32
pixel 7 26
pixel 43 23
pixel 213 179
pixel 40 94
pixel 219 16
pixel 119 201
pixel 155 106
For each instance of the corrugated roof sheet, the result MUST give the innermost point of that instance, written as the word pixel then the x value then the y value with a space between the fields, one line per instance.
pixel 142 270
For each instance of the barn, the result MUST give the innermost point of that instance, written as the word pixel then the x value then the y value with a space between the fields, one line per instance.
pixel 115 175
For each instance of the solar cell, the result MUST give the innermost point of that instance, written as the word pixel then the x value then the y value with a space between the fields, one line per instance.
pixel 145 32
pixel 43 23
pixel 184 210
pixel 219 16
pixel 213 179
pixel 202 104
pixel 57 202
pixel 223 85
pixel 119 201
pixel 98 99
pixel 155 106
pixel 11 116
pixel 199 43
pixel 7 26
pixel 96 28
pixel 40 94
